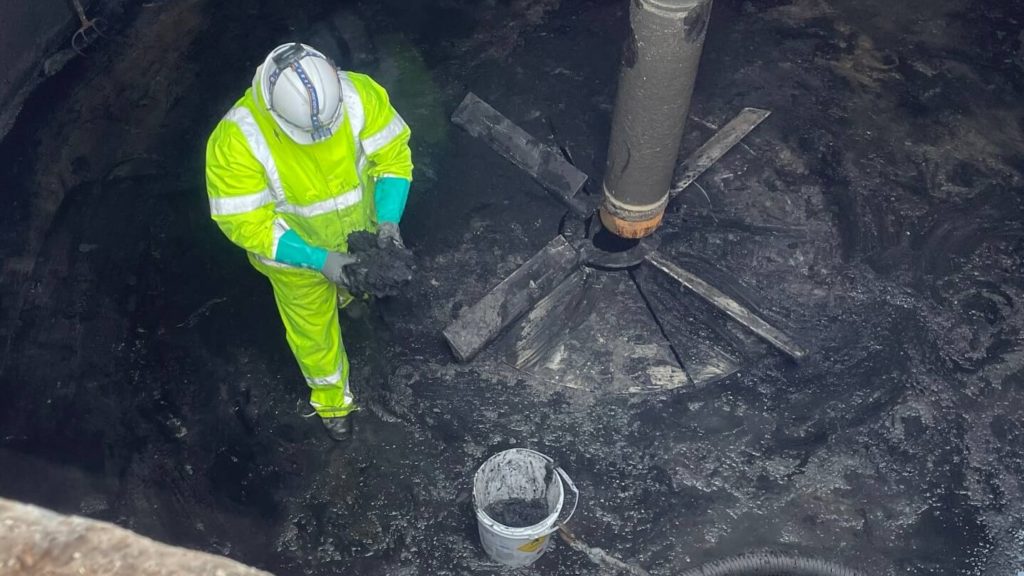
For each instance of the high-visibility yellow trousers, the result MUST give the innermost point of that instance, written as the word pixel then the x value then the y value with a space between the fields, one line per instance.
pixel 308 305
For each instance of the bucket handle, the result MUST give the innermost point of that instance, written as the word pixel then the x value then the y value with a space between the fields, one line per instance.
pixel 566 481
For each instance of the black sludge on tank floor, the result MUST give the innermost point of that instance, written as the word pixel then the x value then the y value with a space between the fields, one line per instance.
pixel 876 215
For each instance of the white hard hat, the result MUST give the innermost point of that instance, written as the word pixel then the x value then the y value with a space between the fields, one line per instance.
pixel 301 89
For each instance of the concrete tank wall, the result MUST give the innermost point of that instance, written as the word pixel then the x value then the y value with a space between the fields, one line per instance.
pixel 31 30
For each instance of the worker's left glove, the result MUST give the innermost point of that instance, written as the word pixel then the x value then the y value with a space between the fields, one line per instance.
pixel 389 235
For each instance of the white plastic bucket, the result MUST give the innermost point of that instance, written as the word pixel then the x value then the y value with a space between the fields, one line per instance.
pixel 520 473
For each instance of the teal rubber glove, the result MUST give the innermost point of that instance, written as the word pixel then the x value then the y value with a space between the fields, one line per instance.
pixel 390 195
pixel 292 249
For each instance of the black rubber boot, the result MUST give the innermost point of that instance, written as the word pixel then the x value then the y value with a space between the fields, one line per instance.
pixel 340 429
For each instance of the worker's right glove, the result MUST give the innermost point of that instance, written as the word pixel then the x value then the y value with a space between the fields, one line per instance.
pixel 334 268
pixel 389 235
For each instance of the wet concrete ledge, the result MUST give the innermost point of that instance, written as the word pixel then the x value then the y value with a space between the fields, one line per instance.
pixel 34 540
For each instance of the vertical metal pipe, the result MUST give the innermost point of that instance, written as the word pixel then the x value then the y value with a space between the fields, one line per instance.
pixel 659 66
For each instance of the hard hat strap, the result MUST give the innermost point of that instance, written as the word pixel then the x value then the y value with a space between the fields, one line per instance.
pixel 290 58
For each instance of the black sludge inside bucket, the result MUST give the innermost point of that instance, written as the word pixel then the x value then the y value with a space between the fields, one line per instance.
pixel 518 512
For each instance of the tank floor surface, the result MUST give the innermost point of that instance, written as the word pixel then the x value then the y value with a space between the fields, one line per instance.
pixel 877 215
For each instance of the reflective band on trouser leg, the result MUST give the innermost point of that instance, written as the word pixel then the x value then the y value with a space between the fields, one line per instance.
pixel 308 306
pixel 334 400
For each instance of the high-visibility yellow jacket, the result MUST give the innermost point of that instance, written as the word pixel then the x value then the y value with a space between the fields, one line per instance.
pixel 261 183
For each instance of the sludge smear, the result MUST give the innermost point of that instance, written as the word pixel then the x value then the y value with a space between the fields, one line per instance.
pixel 518 512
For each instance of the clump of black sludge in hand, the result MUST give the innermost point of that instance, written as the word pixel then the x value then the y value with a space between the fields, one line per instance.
pixel 380 270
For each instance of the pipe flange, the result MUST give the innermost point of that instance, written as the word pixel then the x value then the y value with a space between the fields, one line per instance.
pixel 593 257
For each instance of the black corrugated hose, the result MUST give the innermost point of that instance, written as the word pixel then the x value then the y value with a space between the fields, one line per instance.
pixel 770 564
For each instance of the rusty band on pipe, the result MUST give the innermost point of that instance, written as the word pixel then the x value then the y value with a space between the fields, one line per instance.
pixel 633 212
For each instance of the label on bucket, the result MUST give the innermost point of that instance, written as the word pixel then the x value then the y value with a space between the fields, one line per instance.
pixel 533 545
